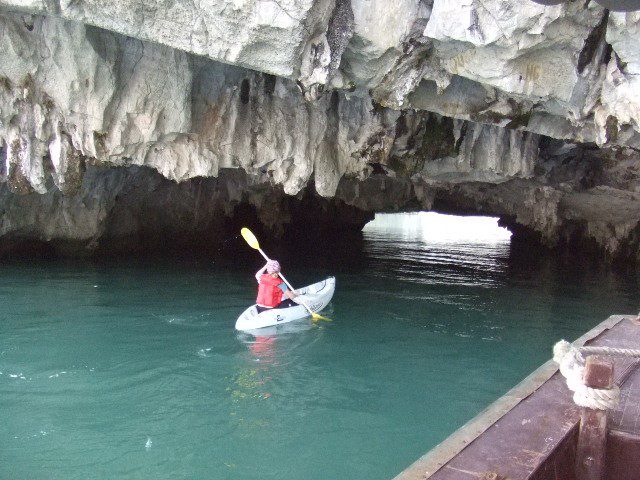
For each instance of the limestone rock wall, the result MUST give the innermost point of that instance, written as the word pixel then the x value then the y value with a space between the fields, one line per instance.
pixel 566 71
pixel 525 111
pixel 72 94
pixel 265 35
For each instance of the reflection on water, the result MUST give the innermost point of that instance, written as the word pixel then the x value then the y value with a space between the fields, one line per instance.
pixel 436 228
pixel 297 326
pixel 431 248
pixel 135 371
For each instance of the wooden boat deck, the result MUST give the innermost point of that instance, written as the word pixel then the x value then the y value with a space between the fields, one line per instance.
pixel 532 431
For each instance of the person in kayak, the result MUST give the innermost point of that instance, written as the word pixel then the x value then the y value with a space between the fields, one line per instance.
pixel 271 288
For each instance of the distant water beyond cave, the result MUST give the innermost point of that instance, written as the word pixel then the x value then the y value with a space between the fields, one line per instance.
pixel 440 228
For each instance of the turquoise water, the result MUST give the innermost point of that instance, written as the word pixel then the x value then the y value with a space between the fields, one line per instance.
pixel 113 370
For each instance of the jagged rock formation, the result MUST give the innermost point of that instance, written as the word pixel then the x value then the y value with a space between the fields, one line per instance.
pixel 515 109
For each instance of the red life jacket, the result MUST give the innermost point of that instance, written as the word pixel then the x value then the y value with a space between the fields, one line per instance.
pixel 269 292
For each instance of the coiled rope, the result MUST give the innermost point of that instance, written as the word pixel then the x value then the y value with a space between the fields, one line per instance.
pixel 571 361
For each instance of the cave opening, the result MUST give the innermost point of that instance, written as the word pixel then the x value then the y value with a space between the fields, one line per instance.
pixel 440 228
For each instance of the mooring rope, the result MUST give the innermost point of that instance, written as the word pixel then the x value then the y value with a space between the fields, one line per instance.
pixel 571 362
pixel 611 351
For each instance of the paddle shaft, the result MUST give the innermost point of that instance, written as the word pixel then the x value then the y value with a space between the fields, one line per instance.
pixel 288 284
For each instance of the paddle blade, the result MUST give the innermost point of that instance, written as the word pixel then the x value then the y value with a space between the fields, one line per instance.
pixel 250 238
pixel 316 316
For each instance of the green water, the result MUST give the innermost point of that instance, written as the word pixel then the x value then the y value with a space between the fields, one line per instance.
pixel 135 371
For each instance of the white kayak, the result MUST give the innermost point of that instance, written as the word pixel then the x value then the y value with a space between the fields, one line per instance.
pixel 316 296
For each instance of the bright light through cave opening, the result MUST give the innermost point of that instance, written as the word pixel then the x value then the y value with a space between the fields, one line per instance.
pixel 439 228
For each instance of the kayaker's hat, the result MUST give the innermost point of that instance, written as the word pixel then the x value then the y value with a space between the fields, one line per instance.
pixel 273 266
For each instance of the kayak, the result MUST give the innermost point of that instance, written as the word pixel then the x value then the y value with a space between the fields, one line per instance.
pixel 317 296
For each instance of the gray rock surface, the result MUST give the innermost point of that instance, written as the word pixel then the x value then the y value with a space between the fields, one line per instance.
pixel 414 104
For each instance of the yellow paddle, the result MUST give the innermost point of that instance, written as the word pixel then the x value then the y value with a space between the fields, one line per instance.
pixel 253 243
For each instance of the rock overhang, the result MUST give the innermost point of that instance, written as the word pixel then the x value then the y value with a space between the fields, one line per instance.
pixel 453 95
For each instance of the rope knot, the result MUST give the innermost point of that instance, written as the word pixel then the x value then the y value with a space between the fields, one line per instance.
pixel 571 363
pixel 560 349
